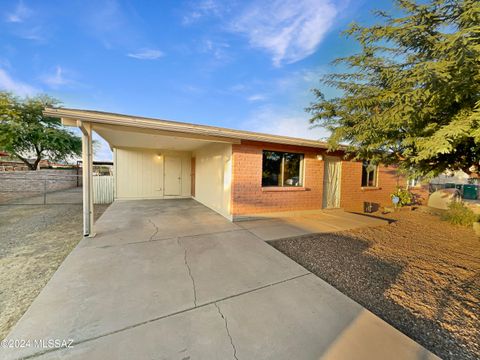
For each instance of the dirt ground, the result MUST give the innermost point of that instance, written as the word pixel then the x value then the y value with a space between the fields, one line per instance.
pixel 420 274
pixel 34 240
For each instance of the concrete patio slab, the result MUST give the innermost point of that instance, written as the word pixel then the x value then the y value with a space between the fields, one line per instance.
pixel 279 231
pixel 267 323
pixel 307 223
pixel 225 264
pixel 305 318
pixel 104 286
pixel 198 334
pixel 100 290
pixel 129 293
pixel 145 220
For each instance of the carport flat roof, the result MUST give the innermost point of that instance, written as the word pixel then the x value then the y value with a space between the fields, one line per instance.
pixel 69 116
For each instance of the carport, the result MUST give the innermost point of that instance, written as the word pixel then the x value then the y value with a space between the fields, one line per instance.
pixel 155 159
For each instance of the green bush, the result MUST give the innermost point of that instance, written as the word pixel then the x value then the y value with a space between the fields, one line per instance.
pixel 459 214
pixel 405 197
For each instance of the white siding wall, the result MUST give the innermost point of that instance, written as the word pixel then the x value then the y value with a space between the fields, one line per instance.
pixel 213 176
pixel 139 173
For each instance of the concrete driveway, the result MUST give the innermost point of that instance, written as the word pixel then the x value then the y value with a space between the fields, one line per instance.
pixel 171 279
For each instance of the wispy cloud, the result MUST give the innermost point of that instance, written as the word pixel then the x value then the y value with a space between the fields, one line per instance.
pixel 217 49
pixel 15 86
pixel 202 9
pixel 57 79
pixel 27 23
pixel 146 54
pixel 19 14
pixel 289 30
pixel 109 22
pixel 282 121
pixel 257 97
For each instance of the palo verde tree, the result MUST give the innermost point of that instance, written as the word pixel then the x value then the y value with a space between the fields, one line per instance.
pixel 29 135
pixel 411 96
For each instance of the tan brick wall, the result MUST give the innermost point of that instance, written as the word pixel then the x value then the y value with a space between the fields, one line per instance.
pixel 248 197
pixel 353 195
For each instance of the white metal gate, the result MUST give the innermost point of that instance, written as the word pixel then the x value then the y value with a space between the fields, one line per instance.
pixel 103 189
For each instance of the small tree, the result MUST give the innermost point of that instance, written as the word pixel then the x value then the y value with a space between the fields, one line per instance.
pixel 412 95
pixel 29 135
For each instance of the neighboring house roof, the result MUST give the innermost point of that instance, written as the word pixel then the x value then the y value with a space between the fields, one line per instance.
pixel 4 154
pixel 100 117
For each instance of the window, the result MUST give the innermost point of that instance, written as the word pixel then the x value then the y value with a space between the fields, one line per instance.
pixel 369 174
pixel 282 169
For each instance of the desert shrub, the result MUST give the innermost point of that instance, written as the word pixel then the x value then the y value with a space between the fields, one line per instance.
pixel 405 197
pixel 459 214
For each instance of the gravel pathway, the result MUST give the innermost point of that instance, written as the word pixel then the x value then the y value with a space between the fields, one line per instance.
pixel 420 274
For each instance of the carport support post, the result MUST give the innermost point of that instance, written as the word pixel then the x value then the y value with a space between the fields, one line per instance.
pixel 87 177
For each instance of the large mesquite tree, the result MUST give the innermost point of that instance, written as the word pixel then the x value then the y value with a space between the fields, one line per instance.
pixel 412 95
pixel 30 136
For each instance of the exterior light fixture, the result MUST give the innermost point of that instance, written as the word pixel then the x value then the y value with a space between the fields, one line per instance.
pixel 319 157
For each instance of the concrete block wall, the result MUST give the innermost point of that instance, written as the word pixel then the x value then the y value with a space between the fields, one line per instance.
pixel 248 196
pixel 34 181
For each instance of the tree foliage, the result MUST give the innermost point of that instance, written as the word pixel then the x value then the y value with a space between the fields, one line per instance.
pixel 29 135
pixel 412 95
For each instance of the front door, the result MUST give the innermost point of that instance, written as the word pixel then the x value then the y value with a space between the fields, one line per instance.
pixel 331 183
pixel 173 176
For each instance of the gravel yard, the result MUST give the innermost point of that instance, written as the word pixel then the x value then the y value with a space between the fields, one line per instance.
pixel 34 240
pixel 420 274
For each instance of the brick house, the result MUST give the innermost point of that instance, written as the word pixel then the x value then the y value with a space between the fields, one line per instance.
pixel 239 174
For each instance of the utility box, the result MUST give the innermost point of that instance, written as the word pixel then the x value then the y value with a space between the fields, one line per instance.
pixel 470 192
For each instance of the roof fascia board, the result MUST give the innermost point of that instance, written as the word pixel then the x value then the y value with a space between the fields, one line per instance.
pixel 178 127
pixel 151 131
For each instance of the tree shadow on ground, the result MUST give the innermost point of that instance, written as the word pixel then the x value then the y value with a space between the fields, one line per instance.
pixel 343 261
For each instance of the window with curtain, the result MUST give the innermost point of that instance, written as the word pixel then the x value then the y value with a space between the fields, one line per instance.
pixel 282 169
pixel 369 174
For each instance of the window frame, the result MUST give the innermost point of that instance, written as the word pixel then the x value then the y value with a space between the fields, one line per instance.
pixel 375 176
pixel 301 170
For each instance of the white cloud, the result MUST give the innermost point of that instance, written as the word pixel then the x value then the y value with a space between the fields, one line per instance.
pixel 57 79
pixel 289 30
pixel 110 22
pixel 20 14
pixel 17 87
pixel 281 121
pixel 238 88
pixel 217 49
pixel 146 54
pixel 202 9
pixel 257 97
pixel 25 25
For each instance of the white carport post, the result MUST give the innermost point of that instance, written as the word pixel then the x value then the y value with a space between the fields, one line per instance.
pixel 87 177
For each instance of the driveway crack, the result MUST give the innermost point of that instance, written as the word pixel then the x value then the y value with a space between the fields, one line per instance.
pixel 187 265
pixel 228 331
pixel 156 229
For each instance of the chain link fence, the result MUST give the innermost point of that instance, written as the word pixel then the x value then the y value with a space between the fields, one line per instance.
pixel 48 187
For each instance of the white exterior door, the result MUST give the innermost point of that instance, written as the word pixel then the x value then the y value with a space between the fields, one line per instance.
pixel 173 176
pixel 331 183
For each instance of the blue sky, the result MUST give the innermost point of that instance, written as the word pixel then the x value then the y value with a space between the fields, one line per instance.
pixel 241 64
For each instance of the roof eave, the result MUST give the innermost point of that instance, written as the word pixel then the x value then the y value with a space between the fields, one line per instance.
pixel 68 115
